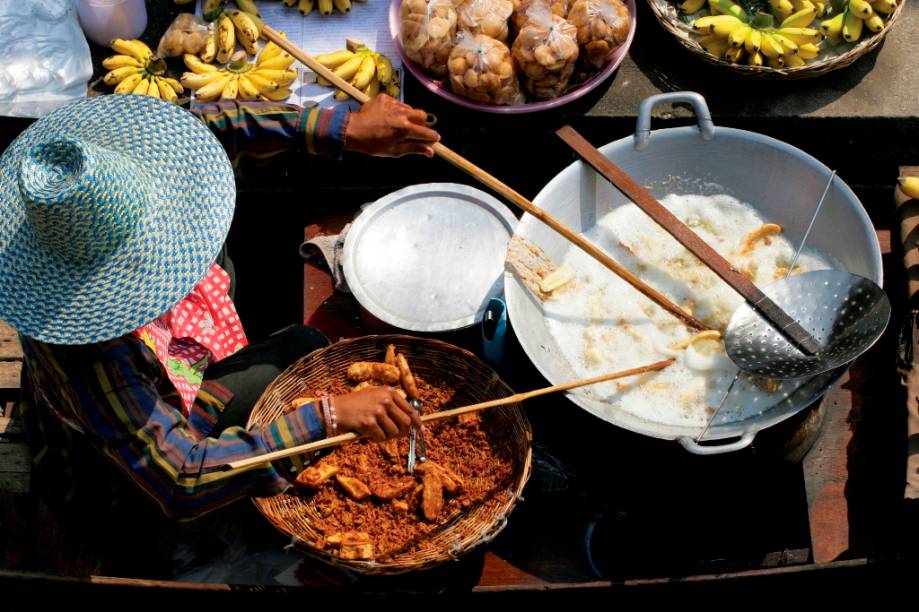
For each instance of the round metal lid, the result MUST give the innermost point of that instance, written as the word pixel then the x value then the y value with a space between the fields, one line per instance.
pixel 429 257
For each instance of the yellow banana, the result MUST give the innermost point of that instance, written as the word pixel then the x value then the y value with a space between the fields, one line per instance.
pixel 141 87
pixel 706 24
pixel 882 6
pixel 775 62
pixel 875 23
pixel 821 8
pixel 166 91
pixel 192 80
pixel 343 6
pixel 802 35
pixel 725 28
pixel 128 84
pixel 770 47
pixel 782 9
pixel 152 89
pixel 226 39
pixel 852 28
pixel 392 90
pixel 209 53
pixel 231 88
pixel 861 9
pixel 726 7
pixel 341 96
pixel 325 7
pixel 753 41
pixel 793 61
pixel 334 60
pixel 755 59
pixel 118 74
pixel 121 61
pixel 739 35
pixel 247 91
pixel 195 64
pixel 281 77
pixel 305 6
pixel 734 54
pixel 808 51
pixel 135 48
pixel 247 32
pixel 249 6
pixel 176 86
pixel 281 62
pixel 802 5
pixel 832 27
pixel 261 83
pixel 692 6
pixel 290 2
pixel 213 89
pixel 373 88
pixel 910 186
pixel 801 19
pixel 716 45
pixel 347 70
pixel 789 46
pixel 366 71
pixel 279 95
pixel 384 68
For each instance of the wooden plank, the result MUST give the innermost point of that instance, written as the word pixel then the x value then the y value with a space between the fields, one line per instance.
pixel 10 427
pixel 9 343
pixel 826 475
pixel 9 374
pixel 15 458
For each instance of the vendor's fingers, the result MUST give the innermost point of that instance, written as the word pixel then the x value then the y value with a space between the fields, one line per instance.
pixel 388 426
pixel 413 131
pixel 416 115
pixel 402 419
pixel 406 148
pixel 375 432
pixel 407 409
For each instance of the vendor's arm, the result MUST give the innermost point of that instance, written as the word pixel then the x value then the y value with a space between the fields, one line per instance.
pixel 383 127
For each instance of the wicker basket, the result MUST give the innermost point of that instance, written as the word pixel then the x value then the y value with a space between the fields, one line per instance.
pixel 431 359
pixel 669 16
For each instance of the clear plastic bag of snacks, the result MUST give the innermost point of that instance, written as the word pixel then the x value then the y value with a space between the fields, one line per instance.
pixel 186 34
pixel 428 29
pixel 546 51
pixel 488 17
pixel 602 26
pixel 481 68
pixel 519 16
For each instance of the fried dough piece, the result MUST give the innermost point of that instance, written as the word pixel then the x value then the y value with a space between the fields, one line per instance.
pixel 373 370
pixel 398 504
pixel 390 355
pixel 355 489
pixel 303 400
pixel 390 449
pixel 315 476
pixel 347 538
pixel 450 479
pixel 432 496
pixel 364 385
pixel 408 380
pixel 361 552
pixel 387 492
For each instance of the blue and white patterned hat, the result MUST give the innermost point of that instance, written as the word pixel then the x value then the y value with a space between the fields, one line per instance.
pixel 111 210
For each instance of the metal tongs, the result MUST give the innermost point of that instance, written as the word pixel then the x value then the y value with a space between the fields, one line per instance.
pixel 417 438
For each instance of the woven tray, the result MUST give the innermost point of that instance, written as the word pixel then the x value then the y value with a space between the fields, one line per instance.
pixel 839 56
pixel 431 360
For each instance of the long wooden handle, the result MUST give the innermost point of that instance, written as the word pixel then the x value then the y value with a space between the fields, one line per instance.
pixel 487 179
pixel 446 414
pixel 688 238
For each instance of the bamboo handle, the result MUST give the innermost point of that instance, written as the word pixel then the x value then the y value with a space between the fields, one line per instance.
pixel 446 414
pixel 487 179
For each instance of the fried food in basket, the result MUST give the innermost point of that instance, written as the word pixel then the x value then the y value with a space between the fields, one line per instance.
pixel 373 370
pixel 405 375
pixel 374 509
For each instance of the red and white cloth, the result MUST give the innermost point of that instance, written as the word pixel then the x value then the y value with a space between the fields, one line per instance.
pixel 201 329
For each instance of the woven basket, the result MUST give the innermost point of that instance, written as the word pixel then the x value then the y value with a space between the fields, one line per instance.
pixel 431 360
pixel 669 16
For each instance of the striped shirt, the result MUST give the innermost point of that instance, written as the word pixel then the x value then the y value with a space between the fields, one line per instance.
pixel 117 397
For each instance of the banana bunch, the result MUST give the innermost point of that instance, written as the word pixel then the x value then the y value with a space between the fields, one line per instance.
pixel 853 17
pixel 325 7
pixel 267 79
pixel 733 36
pixel 241 25
pixel 910 186
pixel 366 70
pixel 134 70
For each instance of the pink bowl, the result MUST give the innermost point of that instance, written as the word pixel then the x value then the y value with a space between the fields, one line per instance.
pixel 531 107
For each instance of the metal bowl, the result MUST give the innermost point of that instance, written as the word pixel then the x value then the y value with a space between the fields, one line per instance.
pixel 780 181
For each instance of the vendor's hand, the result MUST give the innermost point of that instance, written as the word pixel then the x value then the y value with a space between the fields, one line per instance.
pixel 376 412
pixel 389 128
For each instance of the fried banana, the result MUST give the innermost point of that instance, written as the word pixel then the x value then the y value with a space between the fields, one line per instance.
pixel 315 476
pixel 391 355
pixel 373 370
pixel 405 374
pixel 432 496
pixel 355 489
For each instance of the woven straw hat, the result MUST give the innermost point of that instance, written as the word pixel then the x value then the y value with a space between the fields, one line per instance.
pixel 111 210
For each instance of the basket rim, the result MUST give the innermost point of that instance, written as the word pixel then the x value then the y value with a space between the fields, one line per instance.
pixel 811 69
pixel 405 563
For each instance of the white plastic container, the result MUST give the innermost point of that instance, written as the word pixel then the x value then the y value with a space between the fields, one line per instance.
pixel 103 20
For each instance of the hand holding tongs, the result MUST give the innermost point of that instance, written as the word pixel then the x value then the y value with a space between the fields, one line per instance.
pixel 417 437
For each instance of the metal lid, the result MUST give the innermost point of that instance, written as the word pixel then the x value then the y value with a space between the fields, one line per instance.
pixel 429 257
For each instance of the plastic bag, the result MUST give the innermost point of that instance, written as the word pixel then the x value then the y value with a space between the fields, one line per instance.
pixel 46 61
pixel 602 26
pixel 186 34
pixel 481 69
pixel 546 51
pixel 428 28
pixel 519 16
pixel 488 17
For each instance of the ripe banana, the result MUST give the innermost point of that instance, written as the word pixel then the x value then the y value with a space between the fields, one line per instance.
pixel 135 48
pixel 343 6
pixel 875 23
pixel 861 9
pixel 325 7
pixel 334 60
pixel 128 83
pixel 226 39
pixel 801 19
pixel 247 91
pixel 141 88
pixel 119 74
pixel 305 6
pixel 120 61
pixel 910 186
pixel 248 6
pixel 753 41
pixel 209 53
pixel 384 68
pixel 247 31
pixel 197 66
pixel 852 27
pixel 365 72
pixel 832 27
pixel 231 88
pixel 739 35
pixel 692 6
pixel 884 6
pixel 365 69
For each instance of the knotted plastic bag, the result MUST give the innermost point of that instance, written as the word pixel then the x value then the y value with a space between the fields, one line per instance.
pixel 519 16
pixel 546 51
pixel 481 68
pixel 428 29
pixel 603 25
pixel 488 17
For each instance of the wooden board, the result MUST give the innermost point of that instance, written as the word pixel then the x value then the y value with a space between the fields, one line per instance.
pixel 9 374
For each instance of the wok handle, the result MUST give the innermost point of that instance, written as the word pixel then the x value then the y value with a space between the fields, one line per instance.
pixel 718 449
pixel 643 125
